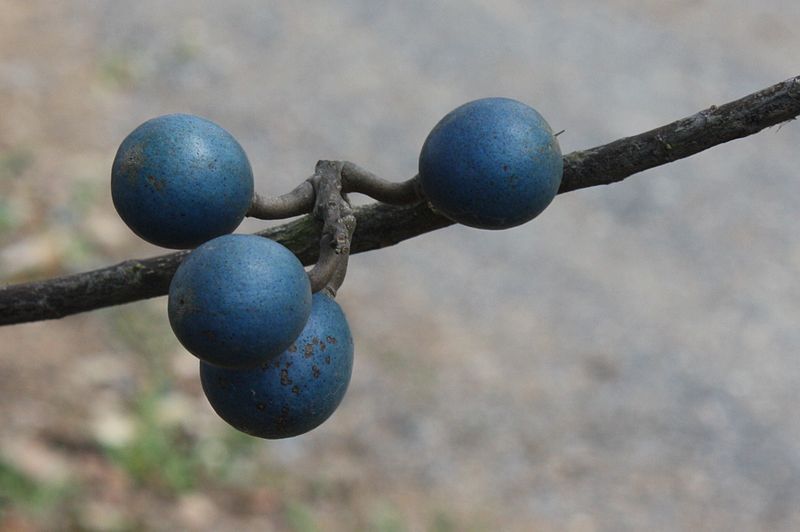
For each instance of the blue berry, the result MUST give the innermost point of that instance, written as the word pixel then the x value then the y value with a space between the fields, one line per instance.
pixel 239 300
pixel 295 392
pixel 492 163
pixel 180 180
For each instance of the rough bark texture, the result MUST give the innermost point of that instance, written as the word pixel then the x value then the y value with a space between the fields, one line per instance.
pixel 617 160
pixel 380 225
pixel 338 223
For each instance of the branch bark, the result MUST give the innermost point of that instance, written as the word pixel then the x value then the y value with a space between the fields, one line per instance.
pixel 337 224
pixel 380 225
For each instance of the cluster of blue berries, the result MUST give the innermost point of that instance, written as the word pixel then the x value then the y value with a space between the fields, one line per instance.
pixel 275 360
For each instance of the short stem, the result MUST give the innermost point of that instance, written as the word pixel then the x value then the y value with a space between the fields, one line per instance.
pixel 340 272
pixel 357 179
pixel 326 267
pixel 298 201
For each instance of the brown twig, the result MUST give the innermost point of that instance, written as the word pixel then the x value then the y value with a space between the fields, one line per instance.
pixel 298 201
pixel 356 179
pixel 338 223
pixel 622 158
pixel 380 225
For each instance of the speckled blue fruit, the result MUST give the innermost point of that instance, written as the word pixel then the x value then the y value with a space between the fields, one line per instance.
pixel 295 392
pixel 239 300
pixel 492 163
pixel 180 180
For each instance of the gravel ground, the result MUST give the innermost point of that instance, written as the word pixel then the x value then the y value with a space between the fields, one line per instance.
pixel 627 361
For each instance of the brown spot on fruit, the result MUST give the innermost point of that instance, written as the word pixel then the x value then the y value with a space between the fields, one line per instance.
pixel 315 371
pixel 133 161
pixel 292 348
pixel 158 184
pixel 328 359
pixel 296 389
pixel 283 418
pixel 331 340
pixel 285 380
pixel 308 351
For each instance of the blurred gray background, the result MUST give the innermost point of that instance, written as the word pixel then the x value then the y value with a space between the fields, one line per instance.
pixel 626 361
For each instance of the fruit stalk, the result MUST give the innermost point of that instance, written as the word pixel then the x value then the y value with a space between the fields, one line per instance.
pixel 357 179
pixel 295 203
pixel 338 223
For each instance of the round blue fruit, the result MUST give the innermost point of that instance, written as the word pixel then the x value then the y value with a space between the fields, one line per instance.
pixel 492 163
pixel 239 300
pixel 295 392
pixel 180 180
